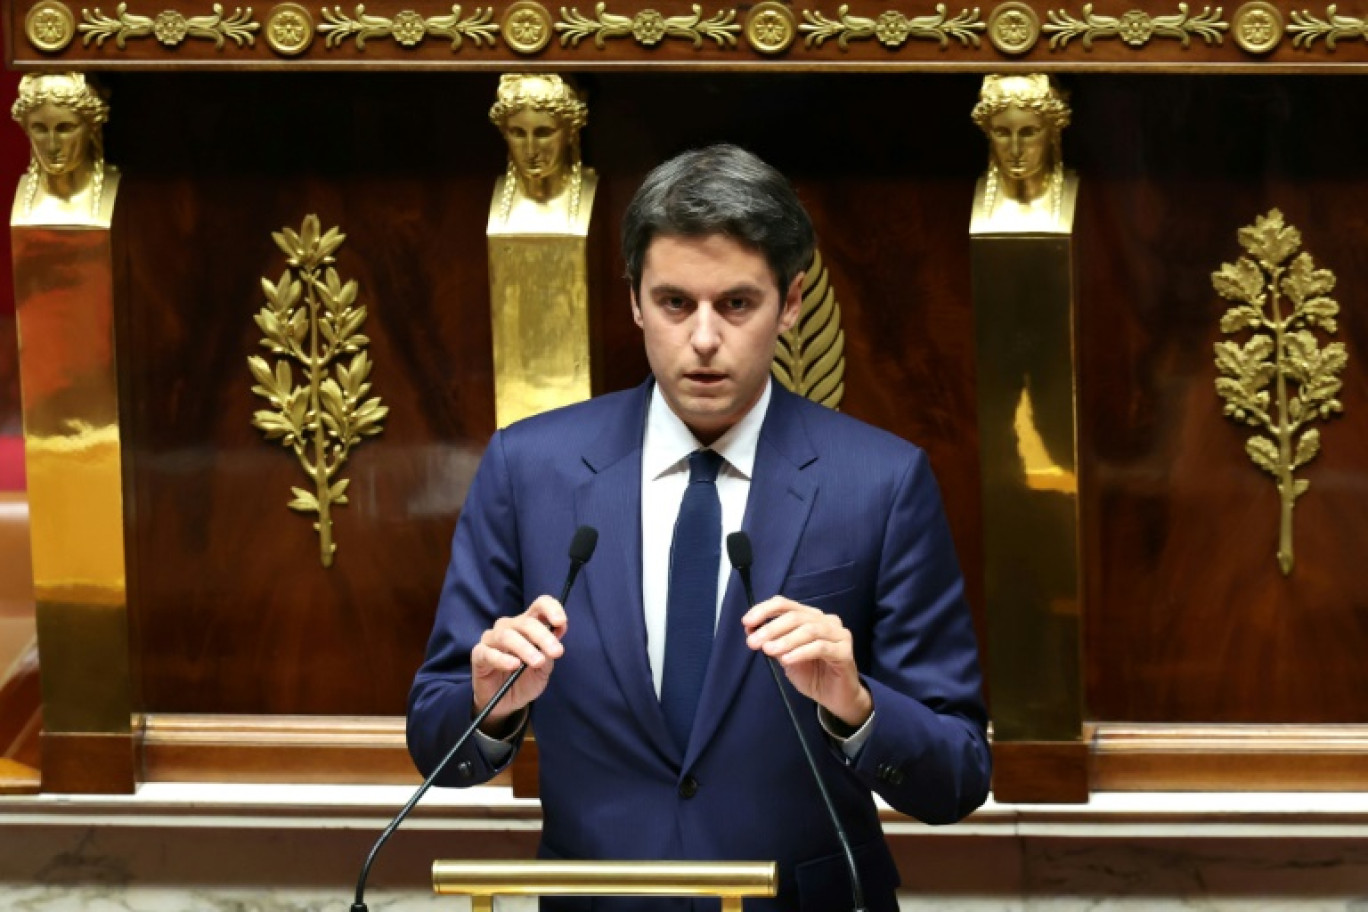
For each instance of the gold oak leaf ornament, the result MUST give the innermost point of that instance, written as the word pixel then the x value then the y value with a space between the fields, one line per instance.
pixel 311 319
pixel 1279 380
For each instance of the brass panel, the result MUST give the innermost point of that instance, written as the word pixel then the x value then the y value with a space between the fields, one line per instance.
pixel 1027 439
pixel 605 878
pixel 65 308
pixel 539 305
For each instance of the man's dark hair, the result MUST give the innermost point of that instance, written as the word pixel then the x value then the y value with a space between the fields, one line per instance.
pixel 726 190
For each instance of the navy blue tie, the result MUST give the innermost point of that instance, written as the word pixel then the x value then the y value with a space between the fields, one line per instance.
pixel 691 612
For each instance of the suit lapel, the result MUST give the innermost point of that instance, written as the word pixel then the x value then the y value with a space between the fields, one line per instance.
pixel 610 501
pixel 777 509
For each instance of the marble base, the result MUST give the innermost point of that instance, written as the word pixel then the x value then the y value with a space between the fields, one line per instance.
pixel 299 848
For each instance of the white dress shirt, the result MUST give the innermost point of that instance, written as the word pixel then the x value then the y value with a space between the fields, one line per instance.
pixel 664 477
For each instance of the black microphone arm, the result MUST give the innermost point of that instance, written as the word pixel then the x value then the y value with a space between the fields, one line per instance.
pixel 581 549
pixel 741 556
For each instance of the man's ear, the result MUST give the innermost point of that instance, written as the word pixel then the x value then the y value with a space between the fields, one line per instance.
pixel 793 303
pixel 636 310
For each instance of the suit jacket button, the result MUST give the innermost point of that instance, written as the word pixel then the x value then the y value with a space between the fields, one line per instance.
pixel 463 769
pixel 688 788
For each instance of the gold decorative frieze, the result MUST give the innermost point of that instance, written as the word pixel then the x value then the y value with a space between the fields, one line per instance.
pixel 311 318
pixel 770 27
pixel 408 28
pixel 1257 27
pixel 648 27
pixel 1013 27
pixel 1280 297
pixel 810 358
pixel 168 27
pixel 289 29
pixel 892 28
pixel 527 26
pixel 1306 28
pixel 1135 27
pixel 49 26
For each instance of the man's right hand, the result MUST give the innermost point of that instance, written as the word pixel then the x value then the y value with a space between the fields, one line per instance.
pixel 532 637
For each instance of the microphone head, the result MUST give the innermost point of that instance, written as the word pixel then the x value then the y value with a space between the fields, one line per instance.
pixel 739 550
pixel 583 544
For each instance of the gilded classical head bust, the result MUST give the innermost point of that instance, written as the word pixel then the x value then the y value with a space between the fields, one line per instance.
pixel 67 180
pixel 540 117
pixel 1023 118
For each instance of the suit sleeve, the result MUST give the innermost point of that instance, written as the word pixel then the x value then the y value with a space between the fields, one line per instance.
pixel 927 754
pixel 483 582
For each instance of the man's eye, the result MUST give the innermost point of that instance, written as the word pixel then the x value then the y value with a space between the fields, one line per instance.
pixel 737 304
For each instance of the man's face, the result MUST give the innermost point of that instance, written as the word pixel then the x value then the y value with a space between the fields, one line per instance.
pixel 536 142
pixel 59 136
pixel 1021 142
pixel 711 313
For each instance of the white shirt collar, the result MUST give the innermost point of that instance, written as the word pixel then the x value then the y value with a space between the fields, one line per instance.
pixel 668 441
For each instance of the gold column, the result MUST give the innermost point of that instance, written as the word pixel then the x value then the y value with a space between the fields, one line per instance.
pixel 538 249
pixel 64 279
pixel 1022 259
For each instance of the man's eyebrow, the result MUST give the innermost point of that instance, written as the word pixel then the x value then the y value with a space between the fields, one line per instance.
pixel 745 289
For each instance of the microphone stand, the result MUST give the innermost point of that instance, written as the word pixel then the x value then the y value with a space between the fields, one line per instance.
pixel 739 550
pixel 581 549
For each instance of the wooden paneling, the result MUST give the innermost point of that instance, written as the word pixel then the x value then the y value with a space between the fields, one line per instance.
pixel 231 611
pixel 1187 616
pixel 1036 772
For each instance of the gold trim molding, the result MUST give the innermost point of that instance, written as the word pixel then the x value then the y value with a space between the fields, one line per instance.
pixel 771 27
pixel 648 27
pixel 1135 27
pixel 169 27
pixel 1306 28
pixel 527 27
pixel 1013 27
pixel 1282 351
pixel 323 418
pixel 409 28
pixel 1257 27
pixel 49 26
pixel 289 29
pixel 892 28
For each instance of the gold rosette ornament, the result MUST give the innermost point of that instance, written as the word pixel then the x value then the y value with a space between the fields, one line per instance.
pixel 1280 379
pixel 311 318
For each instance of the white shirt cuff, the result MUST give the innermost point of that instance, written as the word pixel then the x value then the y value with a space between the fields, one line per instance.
pixel 850 746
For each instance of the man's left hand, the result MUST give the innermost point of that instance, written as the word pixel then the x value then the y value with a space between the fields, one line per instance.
pixel 815 651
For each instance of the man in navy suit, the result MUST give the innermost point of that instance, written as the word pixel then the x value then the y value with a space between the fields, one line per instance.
pixel 862 598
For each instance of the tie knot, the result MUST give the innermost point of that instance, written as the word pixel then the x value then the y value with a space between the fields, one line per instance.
pixel 703 466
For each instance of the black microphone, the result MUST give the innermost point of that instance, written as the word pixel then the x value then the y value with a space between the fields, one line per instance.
pixel 742 556
pixel 581 549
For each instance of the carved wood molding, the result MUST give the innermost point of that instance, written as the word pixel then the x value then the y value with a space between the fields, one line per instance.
pixel 1308 758
pixel 308 749
pixel 1255 35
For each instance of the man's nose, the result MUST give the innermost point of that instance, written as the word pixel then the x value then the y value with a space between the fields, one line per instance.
pixel 704 337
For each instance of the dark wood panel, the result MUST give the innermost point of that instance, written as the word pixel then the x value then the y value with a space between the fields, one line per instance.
pixel 232 612
pixel 1188 616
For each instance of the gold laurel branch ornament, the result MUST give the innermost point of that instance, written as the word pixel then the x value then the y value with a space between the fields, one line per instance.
pixel 1306 28
pixel 648 27
pixel 810 357
pixel 409 28
pixel 169 27
pixel 1135 27
pixel 311 318
pixel 1280 297
pixel 892 28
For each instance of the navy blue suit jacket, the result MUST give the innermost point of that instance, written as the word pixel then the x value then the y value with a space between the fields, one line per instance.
pixel 843 517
